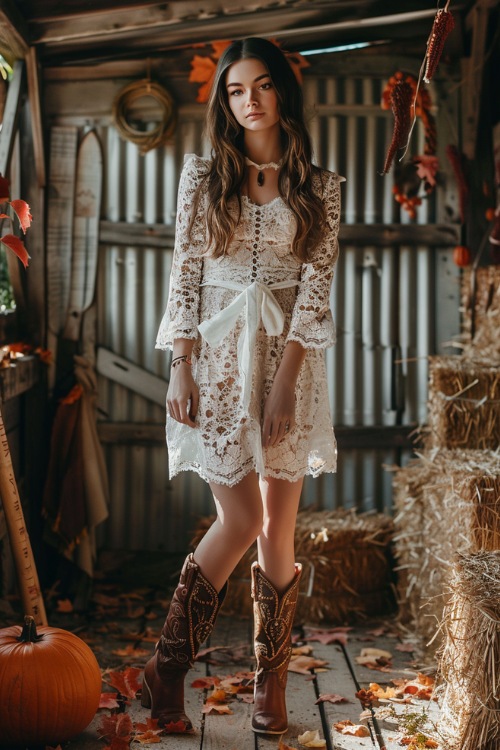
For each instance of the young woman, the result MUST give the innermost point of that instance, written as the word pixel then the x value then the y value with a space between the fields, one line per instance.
pixel 248 318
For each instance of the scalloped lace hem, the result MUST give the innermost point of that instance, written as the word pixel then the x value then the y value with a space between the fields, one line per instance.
pixel 272 473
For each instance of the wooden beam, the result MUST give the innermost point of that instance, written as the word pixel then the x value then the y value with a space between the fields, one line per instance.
pixel 473 73
pixel 348 438
pixel 11 113
pixel 13 32
pixel 379 235
pixel 36 114
pixel 131 433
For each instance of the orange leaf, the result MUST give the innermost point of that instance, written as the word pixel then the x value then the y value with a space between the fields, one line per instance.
pixel 22 211
pixel 204 91
pixel 217 695
pixel 202 69
pixel 108 700
pixel 17 247
pixel 148 738
pixel 218 708
pixel 151 725
pixel 219 47
pixel 4 189
pixel 4 216
pixel 126 681
pixel 64 605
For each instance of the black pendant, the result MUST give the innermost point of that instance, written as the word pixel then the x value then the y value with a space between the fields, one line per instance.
pixel 260 179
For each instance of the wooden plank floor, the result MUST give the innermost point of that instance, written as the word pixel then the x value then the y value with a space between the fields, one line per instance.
pixel 123 620
pixel 342 676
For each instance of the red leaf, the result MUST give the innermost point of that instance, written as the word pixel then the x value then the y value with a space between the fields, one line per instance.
pixel 4 189
pixel 118 743
pixel 115 726
pixel 126 681
pixel 4 216
pixel 205 682
pixel 108 700
pixel 177 727
pixel 17 247
pixel 22 211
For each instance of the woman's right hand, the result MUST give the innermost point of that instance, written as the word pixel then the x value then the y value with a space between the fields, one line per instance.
pixel 182 395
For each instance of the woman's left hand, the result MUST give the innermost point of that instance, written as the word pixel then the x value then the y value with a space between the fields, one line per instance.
pixel 279 412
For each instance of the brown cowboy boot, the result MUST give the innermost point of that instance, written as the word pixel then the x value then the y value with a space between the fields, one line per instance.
pixel 273 620
pixel 191 617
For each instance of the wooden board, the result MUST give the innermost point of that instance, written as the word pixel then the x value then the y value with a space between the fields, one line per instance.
pixel 131 376
pixel 59 233
pixel 87 208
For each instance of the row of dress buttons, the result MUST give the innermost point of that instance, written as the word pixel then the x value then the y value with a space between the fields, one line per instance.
pixel 255 244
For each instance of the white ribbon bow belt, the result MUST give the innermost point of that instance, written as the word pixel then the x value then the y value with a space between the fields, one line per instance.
pixel 260 305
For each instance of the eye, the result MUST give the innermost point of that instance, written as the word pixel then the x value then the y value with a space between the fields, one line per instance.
pixel 235 91
pixel 266 86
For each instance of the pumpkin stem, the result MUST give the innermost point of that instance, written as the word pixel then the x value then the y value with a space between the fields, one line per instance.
pixel 28 633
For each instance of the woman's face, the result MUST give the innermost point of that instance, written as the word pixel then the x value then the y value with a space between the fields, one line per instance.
pixel 251 95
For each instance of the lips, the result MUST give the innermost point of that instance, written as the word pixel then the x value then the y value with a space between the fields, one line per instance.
pixel 254 114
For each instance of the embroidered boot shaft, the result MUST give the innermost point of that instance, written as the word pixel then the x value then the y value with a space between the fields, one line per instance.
pixel 190 620
pixel 273 620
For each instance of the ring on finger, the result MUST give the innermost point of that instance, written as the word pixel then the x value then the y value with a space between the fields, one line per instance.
pixel 287 426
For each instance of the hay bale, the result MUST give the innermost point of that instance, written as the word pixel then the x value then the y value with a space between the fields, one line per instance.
pixel 464 404
pixel 446 501
pixel 347 563
pixel 481 313
pixel 470 658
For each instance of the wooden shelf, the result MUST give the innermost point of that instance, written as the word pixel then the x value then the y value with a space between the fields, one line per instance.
pixel 19 377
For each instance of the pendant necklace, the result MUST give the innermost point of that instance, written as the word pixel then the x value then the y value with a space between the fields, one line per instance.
pixel 261 167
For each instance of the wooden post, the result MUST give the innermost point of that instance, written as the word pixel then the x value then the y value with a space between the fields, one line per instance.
pixel 10 115
pixel 29 586
pixel 36 114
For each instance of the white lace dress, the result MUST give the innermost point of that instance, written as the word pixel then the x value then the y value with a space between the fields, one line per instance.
pixel 241 310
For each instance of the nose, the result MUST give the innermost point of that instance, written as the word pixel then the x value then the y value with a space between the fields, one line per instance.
pixel 251 100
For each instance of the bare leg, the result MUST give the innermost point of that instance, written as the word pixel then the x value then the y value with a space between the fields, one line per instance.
pixel 238 523
pixel 275 543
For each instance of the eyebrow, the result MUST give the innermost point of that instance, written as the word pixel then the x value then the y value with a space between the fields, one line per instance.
pixel 259 78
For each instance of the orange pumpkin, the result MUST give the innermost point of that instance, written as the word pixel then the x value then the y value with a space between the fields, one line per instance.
pixel 50 685
pixel 462 256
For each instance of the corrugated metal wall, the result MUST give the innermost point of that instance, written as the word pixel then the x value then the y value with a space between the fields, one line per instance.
pixel 384 301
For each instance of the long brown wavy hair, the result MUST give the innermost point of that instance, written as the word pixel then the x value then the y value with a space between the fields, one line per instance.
pixel 227 172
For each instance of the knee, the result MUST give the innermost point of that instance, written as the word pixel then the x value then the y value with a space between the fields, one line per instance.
pixel 244 527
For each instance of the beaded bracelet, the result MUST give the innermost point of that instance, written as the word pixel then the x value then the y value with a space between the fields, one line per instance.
pixel 183 358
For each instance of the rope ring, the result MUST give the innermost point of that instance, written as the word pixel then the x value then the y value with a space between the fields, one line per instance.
pixel 146 140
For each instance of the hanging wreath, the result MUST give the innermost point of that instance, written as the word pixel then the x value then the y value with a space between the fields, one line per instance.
pixel 407 102
pixel 145 139
pixel 203 68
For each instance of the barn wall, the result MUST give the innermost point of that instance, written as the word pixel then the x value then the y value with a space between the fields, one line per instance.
pixel 392 305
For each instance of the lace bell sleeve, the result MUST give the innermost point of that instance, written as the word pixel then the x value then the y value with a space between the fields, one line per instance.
pixel 312 321
pixel 181 316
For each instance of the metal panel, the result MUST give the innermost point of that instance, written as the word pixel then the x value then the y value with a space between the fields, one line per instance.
pixel 383 300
